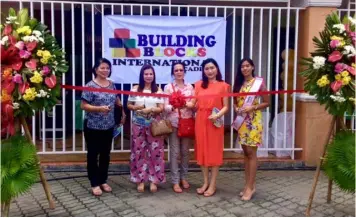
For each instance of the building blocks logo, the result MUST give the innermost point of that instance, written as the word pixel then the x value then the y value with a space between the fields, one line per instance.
pixel 122 45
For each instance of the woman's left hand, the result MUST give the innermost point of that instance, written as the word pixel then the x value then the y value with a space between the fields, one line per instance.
pixel 247 109
pixel 213 118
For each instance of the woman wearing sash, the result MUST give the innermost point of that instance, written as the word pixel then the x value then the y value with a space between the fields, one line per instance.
pixel 209 129
pixel 147 151
pixel 179 146
pixel 248 122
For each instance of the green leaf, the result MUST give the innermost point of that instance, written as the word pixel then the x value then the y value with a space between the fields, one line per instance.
pixel 12 12
pixel 23 17
pixel 33 22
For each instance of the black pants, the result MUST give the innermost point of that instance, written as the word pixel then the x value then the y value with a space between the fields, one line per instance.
pixel 98 144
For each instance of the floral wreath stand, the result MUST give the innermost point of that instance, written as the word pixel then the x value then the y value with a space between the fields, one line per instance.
pixel 31 64
pixel 330 76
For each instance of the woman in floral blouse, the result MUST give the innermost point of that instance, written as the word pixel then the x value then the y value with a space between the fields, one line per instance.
pixel 178 146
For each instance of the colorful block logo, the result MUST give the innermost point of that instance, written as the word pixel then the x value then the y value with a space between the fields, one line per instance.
pixel 122 45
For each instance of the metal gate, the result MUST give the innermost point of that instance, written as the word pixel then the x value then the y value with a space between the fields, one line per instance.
pixel 261 33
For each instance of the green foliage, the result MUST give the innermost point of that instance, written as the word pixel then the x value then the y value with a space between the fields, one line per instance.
pixel 19 167
pixel 340 161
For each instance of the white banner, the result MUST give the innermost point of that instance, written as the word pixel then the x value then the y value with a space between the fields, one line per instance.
pixel 132 41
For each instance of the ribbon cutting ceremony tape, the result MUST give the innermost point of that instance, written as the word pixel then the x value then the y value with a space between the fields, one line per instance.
pixel 82 88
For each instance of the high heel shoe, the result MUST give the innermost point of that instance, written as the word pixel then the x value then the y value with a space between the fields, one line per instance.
pixel 247 198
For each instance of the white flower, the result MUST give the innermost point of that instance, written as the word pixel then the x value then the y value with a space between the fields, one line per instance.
pixel 349 50
pixel 341 27
pixel 43 93
pixel 37 33
pixel 4 40
pixel 38 96
pixel 319 61
pixel 11 19
pixel 41 39
pixel 337 97
pixel 352 20
pixel 16 105
pixel 30 38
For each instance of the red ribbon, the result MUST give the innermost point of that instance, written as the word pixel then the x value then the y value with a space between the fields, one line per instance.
pixel 81 88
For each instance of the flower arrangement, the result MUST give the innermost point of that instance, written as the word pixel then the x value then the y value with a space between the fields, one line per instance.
pixel 32 63
pixel 330 72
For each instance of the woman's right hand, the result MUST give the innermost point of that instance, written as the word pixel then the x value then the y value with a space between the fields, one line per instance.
pixel 104 109
pixel 138 107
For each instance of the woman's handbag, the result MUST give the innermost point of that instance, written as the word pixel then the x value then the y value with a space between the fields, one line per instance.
pixel 186 126
pixel 161 127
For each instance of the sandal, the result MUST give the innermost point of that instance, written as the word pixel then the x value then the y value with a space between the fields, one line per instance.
pixel 201 191
pixel 185 184
pixel 106 188
pixel 96 191
pixel 209 194
pixel 141 187
pixel 177 188
pixel 153 188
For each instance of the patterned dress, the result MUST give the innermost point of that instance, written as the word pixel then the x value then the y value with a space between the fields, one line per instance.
pixel 250 132
pixel 147 151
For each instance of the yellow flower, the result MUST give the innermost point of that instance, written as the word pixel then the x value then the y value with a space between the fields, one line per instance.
pixel 353 65
pixel 28 32
pixel 346 80
pixel 24 29
pixel 337 38
pixel 36 78
pixel 352 100
pixel 338 77
pixel 44 60
pixel 5 96
pixel 323 81
pixel 46 54
pixel 344 73
pixel 30 94
pixel 39 53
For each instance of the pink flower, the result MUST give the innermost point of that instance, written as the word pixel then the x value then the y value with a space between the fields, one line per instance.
pixel 31 45
pixel 12 39
pixel 17 78
pixel 24 54
pixel 32 64
pixel 339 67
pixel 51 81
pixel 351 70
pixel 23 87
pixel 334 43
pixel 7 30
pixel 46 70
pixel 335 56
pixel 336 85
pixel 20 45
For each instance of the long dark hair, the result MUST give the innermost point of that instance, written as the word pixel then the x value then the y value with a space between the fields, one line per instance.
pixel 177 63
pixel 205 79
pixel 97 64
pixel 240 79
pixel 141 84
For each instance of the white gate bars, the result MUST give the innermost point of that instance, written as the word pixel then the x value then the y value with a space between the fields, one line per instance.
pixel 261 33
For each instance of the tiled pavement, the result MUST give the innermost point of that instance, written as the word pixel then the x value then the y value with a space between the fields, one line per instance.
pixel 279 193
